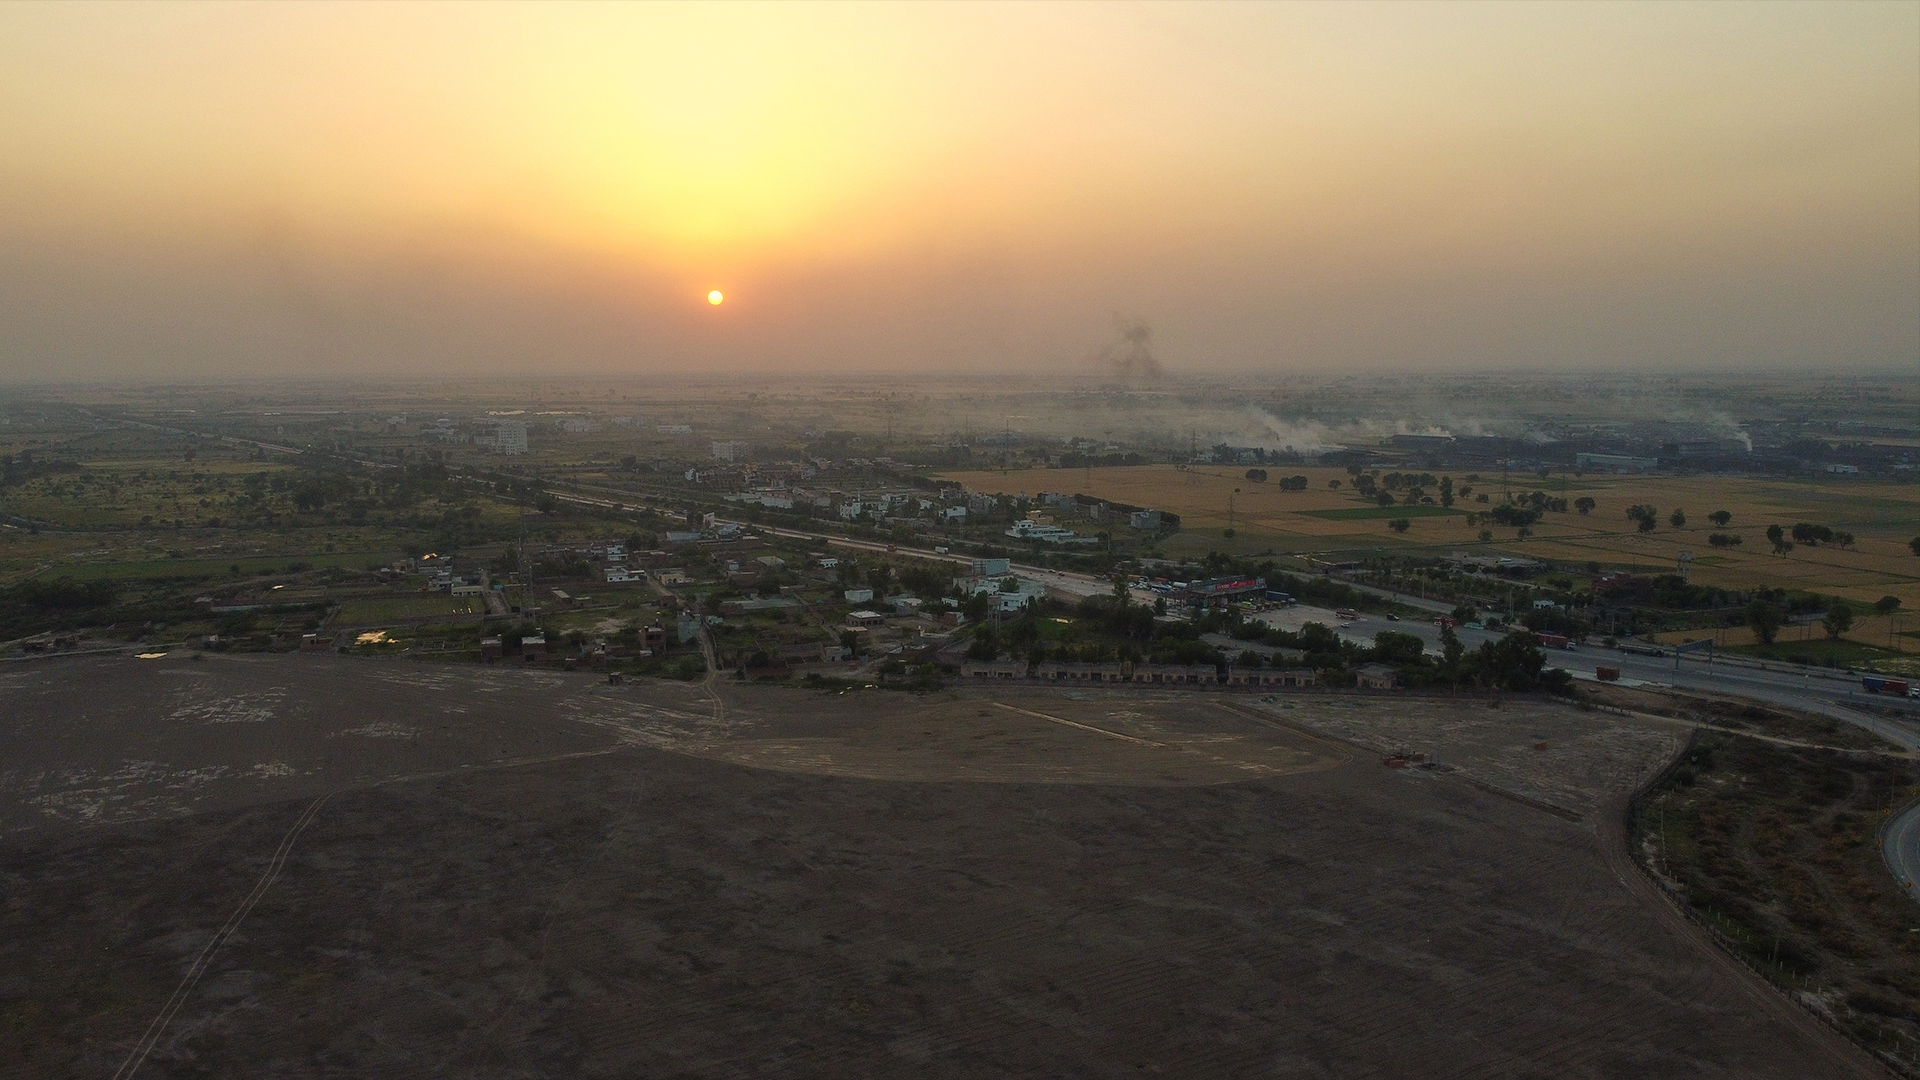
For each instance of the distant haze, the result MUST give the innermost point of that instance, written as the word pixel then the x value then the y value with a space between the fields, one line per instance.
pixel 195 191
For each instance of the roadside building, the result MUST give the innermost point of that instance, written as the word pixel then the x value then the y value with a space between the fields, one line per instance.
pixel 1056 671
pixel 1175 674
pixel 1375 677
pixel 865 619
pixel 533 647
pixel 994 669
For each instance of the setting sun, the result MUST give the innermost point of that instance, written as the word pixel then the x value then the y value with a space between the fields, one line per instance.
pixel 714 297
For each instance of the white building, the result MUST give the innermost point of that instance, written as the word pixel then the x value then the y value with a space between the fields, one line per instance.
pixel 729 450
pixel 510 437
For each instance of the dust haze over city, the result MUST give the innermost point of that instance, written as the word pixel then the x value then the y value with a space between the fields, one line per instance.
pixel 959 540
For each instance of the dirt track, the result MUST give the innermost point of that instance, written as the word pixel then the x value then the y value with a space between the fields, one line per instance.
pixel 590 881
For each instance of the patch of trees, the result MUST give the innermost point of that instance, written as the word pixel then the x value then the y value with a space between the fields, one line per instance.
pixel 1645 515
pixel 1513 515
pixel 33 607
pixel 1667 591
pixel 1724 540
pixel 1258 476
pixel 25 466
pixel 1814 535
pixel 1293 483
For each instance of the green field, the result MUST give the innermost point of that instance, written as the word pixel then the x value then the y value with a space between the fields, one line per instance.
pixel 378 610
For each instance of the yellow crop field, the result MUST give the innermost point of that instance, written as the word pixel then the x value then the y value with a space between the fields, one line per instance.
pixel 1882 517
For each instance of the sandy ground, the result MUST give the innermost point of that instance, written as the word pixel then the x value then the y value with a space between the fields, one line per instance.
pixel 502 873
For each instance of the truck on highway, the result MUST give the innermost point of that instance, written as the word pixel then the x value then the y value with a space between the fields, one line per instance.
pixel 1555 641
pixel 1880 684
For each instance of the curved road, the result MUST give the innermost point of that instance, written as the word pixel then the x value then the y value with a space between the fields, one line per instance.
pixel 1900 845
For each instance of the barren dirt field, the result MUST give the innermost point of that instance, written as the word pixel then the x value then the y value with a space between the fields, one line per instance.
pixel 503 873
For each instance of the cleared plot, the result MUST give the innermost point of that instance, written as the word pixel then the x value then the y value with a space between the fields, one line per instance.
pixel 620 903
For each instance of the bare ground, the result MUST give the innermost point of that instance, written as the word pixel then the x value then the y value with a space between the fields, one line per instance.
pixel 532 874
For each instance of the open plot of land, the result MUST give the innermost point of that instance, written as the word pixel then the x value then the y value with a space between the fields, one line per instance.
pixel 524 873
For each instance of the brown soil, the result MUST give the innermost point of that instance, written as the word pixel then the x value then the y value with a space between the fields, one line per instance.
pixel 522 874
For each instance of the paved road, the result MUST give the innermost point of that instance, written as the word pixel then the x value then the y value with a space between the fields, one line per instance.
pixel 1900 844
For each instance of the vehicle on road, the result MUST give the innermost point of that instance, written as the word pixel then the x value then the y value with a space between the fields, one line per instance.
pixel 1880 684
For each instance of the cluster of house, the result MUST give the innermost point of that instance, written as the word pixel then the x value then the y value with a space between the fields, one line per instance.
pixel 1370 676
pixel 533 648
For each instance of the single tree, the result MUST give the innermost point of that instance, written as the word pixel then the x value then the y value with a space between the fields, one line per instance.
pixel 1887 605
pixel 1839 620
pixel 1764 620
pixel 1720 518
pixel 1913 545
pixel 1584 504
pixel 1451 651
pixel 1777 536
pixel 986 642
pixel 1399 525
pixel 1678 519
pixel 1486 535
pixel 1524 532
pixel 1844 539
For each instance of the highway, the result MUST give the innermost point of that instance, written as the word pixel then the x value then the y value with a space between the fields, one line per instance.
pixel 1900 845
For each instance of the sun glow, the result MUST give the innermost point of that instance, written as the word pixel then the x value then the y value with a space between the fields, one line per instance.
pixel 714 298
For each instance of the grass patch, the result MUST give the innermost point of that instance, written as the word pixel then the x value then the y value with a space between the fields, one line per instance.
pixel 1814 651
pixel 377 610
pixel 223 567
pixel 1377 513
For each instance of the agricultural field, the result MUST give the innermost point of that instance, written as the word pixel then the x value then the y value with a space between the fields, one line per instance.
pixel 1882 518
pixel 364 612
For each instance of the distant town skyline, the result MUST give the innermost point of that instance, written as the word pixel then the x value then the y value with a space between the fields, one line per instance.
pixel 198 191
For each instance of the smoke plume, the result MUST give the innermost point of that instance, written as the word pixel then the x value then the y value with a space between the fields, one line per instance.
pixel 1132 358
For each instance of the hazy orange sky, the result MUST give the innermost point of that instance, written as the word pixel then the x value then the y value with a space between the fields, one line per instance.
pixel 270 189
